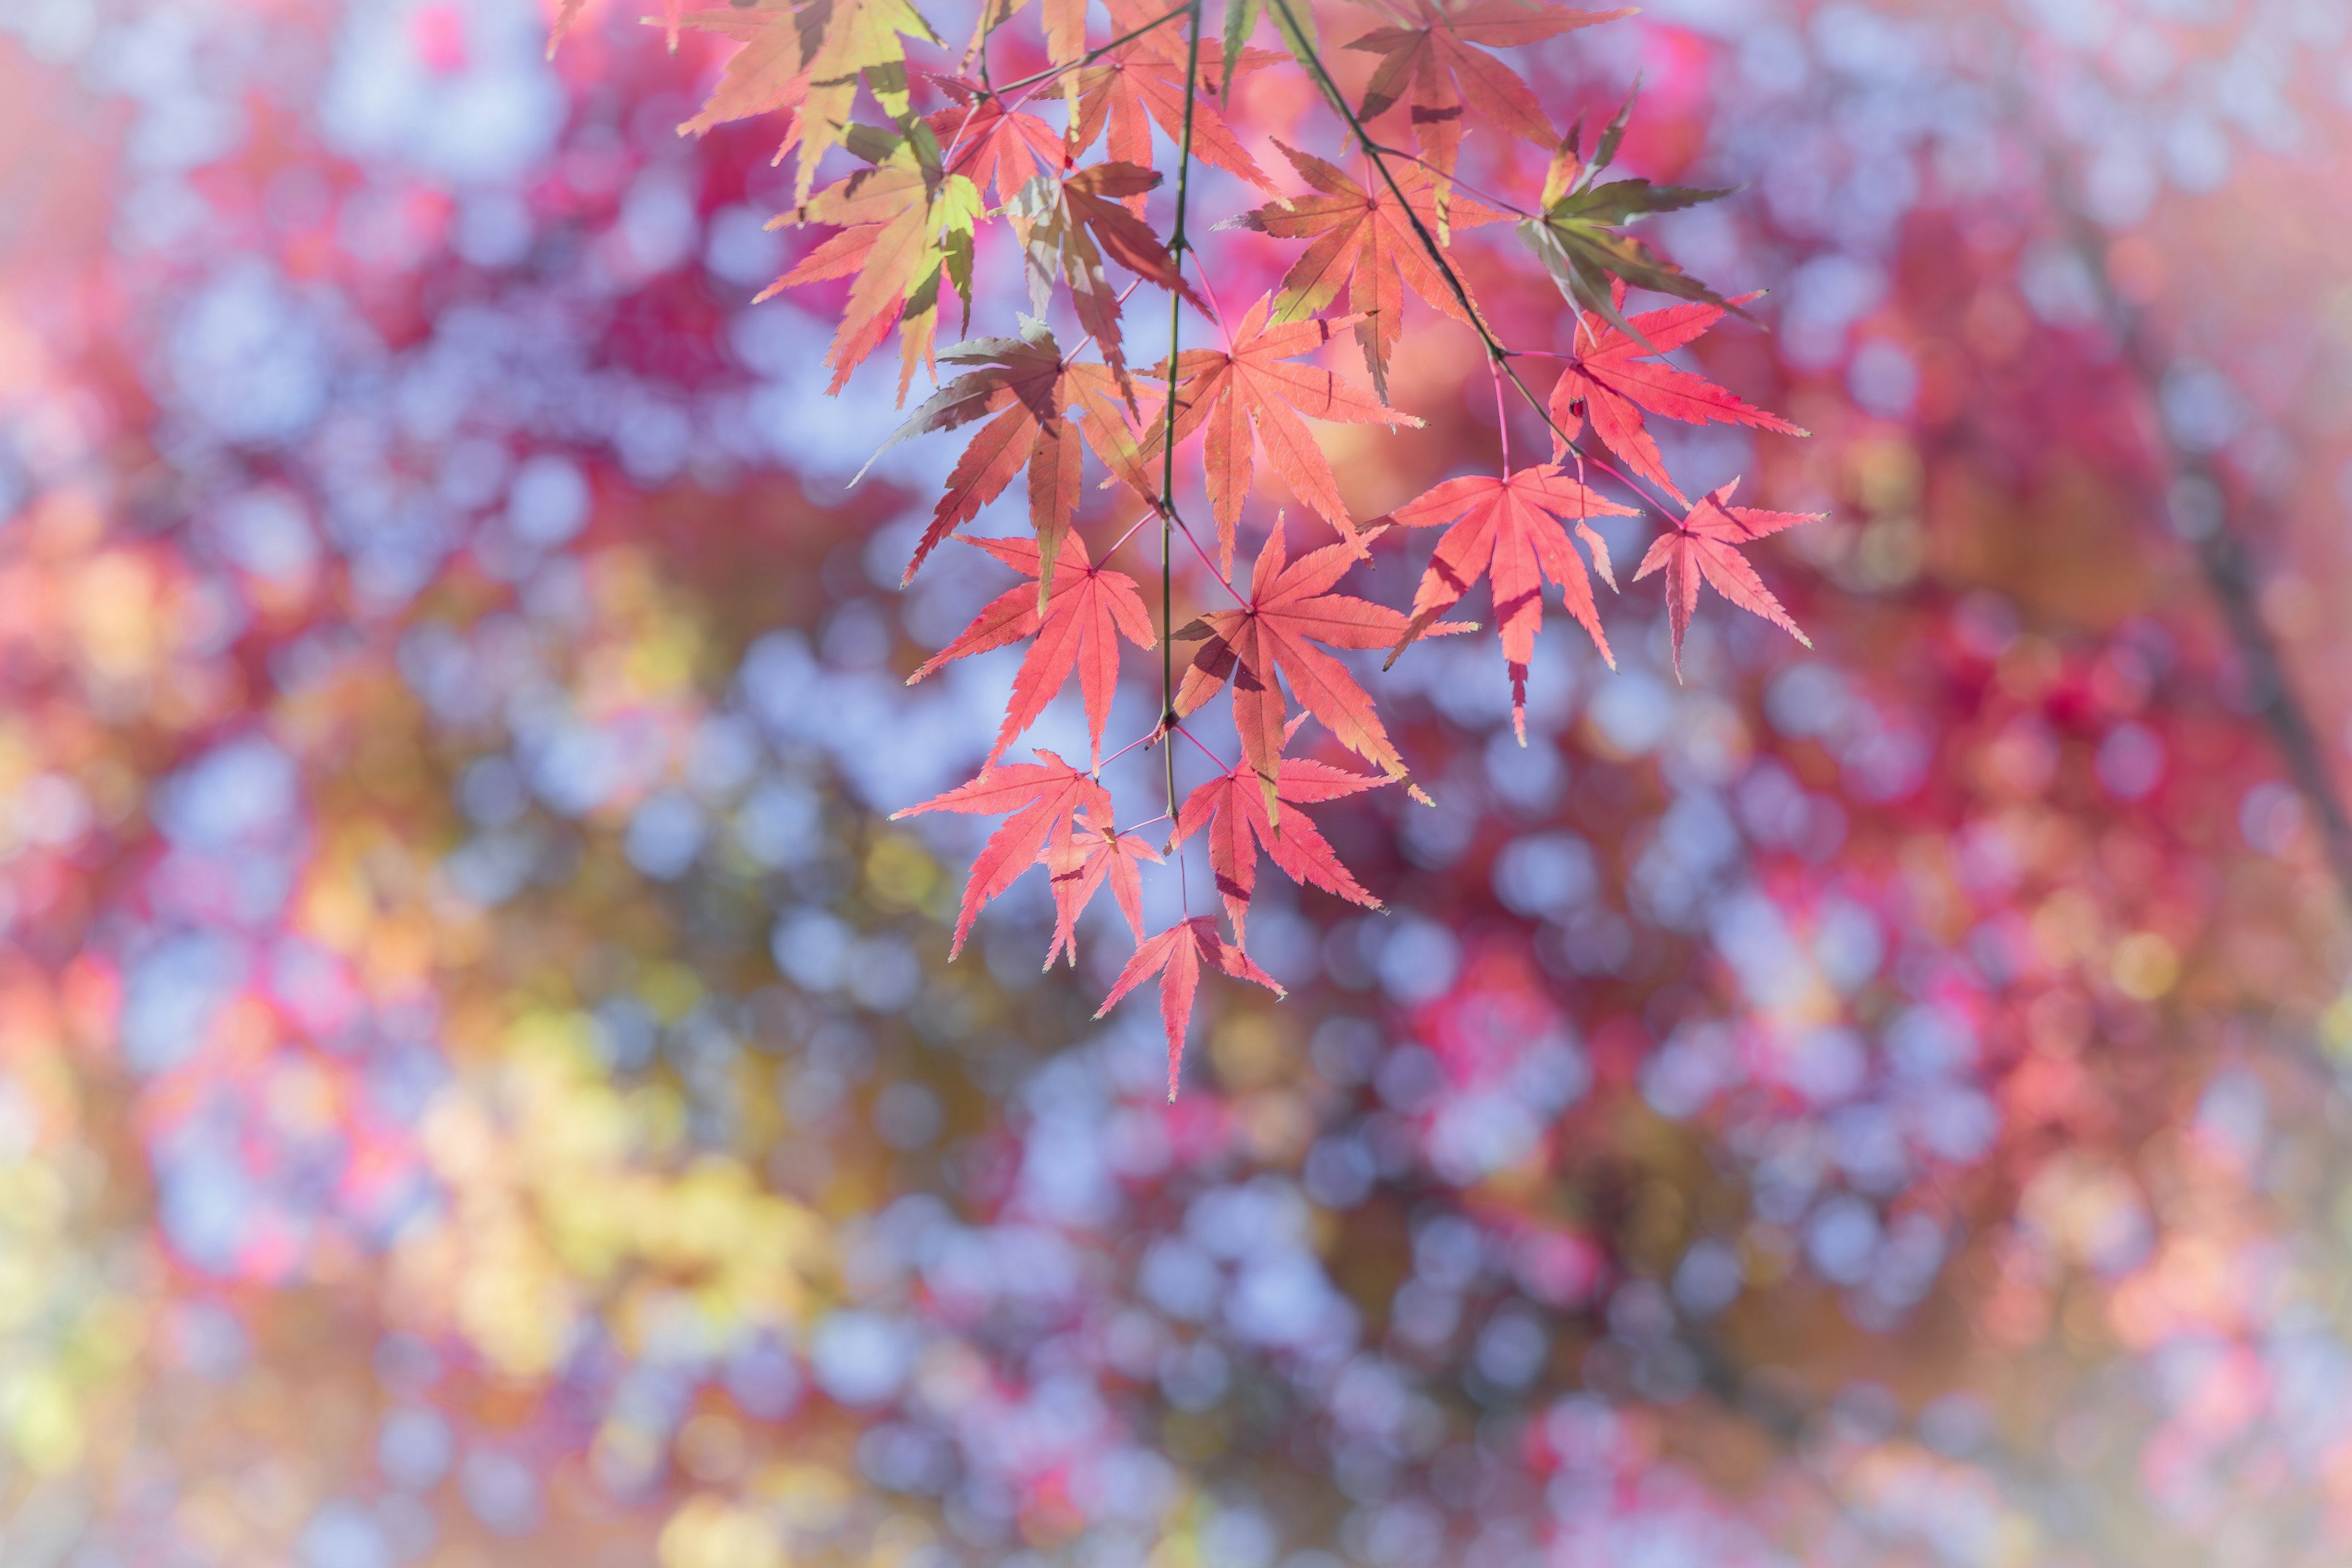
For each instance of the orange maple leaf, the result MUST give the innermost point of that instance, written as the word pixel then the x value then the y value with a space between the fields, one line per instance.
pixel 896 218
pixel 805 61
pixel 1142 80
pixel 1362 240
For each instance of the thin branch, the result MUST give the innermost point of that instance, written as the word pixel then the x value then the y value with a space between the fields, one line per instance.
pixel 1489 197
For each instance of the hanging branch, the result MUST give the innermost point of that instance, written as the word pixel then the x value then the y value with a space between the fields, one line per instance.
pixel 1177 245
pixel 907 226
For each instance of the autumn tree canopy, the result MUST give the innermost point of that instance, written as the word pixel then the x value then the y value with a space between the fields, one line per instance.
pixel 588 599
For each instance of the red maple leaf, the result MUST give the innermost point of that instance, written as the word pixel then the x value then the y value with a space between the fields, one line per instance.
pixel 1042 404
pixel 990 143
pixel 1615 378
pixel 1043 796
pixel 1176 955
pixel 1229 808
pixel 1701 546
pixel 1428 64
pixel 1142 80
pixel 1246 396
pixel 1290 609
pixel 1088 610
pixel 1509 531
pixel 1095 855
pixel 1361 239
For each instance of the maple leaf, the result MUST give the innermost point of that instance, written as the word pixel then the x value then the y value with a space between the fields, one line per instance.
pixel 1246 394
pixel 1510 531
pixel 1088 609
pixel 992 143
pixel 1229 809
pixel 1611 383
pixel 1428 64
pixel 1361 240
pixel 1143 80
pixel 768 74
pixel 1176 955
pixel 1069 226
pixel 1043 798
pixel 1701 546
pixel 1042 404
pixel 1290 609
pixel 1094 856
pixel 906 230
pixel 806 61
pixel 1580 240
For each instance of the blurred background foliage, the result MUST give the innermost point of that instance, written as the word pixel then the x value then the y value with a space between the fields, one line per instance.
pixel 480 1081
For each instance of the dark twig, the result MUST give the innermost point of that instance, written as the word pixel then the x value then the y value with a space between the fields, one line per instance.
pixel 2223 560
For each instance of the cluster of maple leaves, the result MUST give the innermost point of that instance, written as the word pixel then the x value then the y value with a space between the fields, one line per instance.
pixel 906 224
